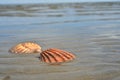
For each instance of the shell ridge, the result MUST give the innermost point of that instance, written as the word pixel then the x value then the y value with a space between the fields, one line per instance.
pixel 26 47
pixel 42 57
pixel 61 53
pixel 67 55
pixel 58 54
pixel 52 55
pixel 70 54
pixel 64 53
pixel 47 57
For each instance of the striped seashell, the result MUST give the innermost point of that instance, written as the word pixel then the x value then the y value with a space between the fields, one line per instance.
pixel 54 55
pixel 26 47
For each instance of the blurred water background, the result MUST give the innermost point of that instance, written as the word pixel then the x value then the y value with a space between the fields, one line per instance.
pixel 89 30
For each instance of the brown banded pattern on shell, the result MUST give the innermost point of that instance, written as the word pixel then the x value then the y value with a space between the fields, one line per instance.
pixel 26 47
pixel 54 55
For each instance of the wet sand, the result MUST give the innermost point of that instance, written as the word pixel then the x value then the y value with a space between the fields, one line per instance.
pixel 89 30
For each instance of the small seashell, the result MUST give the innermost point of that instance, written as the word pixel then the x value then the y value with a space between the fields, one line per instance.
pixel 26 47
pixel 54 55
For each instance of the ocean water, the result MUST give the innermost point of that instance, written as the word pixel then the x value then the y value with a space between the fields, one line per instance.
pixel 91 31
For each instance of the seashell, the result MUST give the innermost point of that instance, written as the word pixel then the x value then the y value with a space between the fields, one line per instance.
pixel 54 55
pixel 26 47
